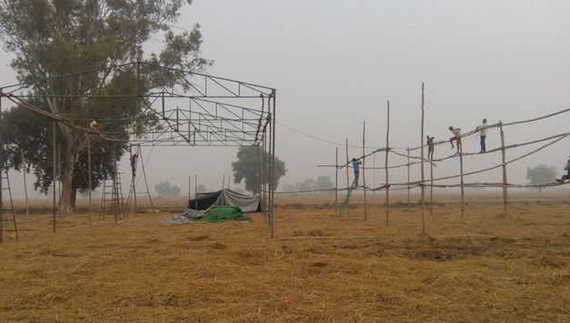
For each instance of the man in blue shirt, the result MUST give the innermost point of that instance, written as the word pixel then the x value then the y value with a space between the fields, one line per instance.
pixel 356 168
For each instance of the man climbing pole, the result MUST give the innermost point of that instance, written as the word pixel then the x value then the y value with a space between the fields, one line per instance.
pixel 356 168
pixel 94 126
pixel 482 129
pixel 134 158
pixel 431 147
pixel 567 169
pixel 456 137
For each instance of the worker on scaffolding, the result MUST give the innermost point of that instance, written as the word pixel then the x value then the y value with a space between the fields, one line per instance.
pixel 456 137
pixel 482 129
pixel 431 147
pixel 567 169
pixel 134 158
pixel 356 168
pixel 94 126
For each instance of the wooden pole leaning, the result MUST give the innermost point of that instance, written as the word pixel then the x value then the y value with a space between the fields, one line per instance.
pixel 386 172
pixel 364 169
pixel 504 166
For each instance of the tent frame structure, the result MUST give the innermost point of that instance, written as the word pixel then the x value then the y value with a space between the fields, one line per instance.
pixel 197 110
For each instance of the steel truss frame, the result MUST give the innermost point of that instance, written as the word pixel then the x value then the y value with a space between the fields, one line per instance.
pixel 197 110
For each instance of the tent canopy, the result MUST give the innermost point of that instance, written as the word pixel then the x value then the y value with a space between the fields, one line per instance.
pixel 226 197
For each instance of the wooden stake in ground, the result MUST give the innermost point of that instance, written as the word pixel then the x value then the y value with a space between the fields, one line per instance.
pixel 364 169
pixel 387 180
pixel 422 165
pixel 505 180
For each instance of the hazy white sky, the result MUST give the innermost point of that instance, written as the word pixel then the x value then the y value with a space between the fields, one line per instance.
pixel 334 64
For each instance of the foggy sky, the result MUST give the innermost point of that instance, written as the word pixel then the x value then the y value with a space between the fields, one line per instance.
pixel 335 63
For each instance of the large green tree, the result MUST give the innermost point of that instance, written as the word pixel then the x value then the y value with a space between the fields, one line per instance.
pixel 72 55
pixel 248 168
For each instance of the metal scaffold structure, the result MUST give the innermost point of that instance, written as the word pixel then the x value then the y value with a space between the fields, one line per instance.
pixel 197 109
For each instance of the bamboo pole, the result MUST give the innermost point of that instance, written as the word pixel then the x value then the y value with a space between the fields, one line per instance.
pixel 347 177
pixel 460 147
pixel 505 180
pixel 422 165
pixel 364 169
pixel 89 178
pixel 408 166
pixel 387 180
pixel 54 160
pixel 431 188
pixel 336 184
pixel 196 190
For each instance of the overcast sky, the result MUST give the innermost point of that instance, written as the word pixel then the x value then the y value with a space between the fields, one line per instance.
pixel 335 63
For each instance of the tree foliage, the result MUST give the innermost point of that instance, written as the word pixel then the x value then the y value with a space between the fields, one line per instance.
pixel 248 168
pixel 165 189
pixel 541 174
pixel 72 55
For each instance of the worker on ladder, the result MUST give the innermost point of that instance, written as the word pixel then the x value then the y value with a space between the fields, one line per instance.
pixel 356 168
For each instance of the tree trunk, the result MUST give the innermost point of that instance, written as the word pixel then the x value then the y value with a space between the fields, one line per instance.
pixel 67 201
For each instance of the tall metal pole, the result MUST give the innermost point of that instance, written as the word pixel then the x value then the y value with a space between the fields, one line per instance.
pixel 387 179
pixel 336 183
pixel 89 176
pixel 54 160
pixel 364 169
pixel 273 166
pixel 505 180
pixel 422 165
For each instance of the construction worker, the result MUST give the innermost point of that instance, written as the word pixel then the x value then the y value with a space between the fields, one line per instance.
pixel 356 168
pixel 431 147
pixel 482 129
pixel 134 158
pixel 94 126
pixel 567 169
pixel 456 137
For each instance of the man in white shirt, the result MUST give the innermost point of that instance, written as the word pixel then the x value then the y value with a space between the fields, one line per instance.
pixel 456 137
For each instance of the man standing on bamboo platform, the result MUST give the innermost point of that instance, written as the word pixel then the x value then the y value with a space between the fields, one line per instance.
pixel 483 134
pixel 431 147
pixel 356 168
pixel 457 137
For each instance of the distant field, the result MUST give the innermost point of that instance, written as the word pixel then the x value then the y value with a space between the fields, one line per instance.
pixel 484 267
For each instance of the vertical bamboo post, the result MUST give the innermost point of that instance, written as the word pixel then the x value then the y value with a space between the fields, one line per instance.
pixel 409 165
pixel 336 183
pixel 422 165
pixel 89 177
pixel 505 179
pixel 196 190
pixel 26 198
pixel 54 160
pixel 431 187
pixel 364 169
pixel 387 180
pixel 460 147
pixel 348 188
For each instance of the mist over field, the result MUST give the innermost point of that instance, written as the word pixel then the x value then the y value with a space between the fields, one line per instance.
pixel 334 65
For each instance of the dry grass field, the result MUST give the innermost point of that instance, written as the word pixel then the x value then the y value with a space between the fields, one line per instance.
pixel 484 267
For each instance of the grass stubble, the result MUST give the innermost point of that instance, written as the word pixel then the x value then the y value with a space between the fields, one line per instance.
pixel 484 267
